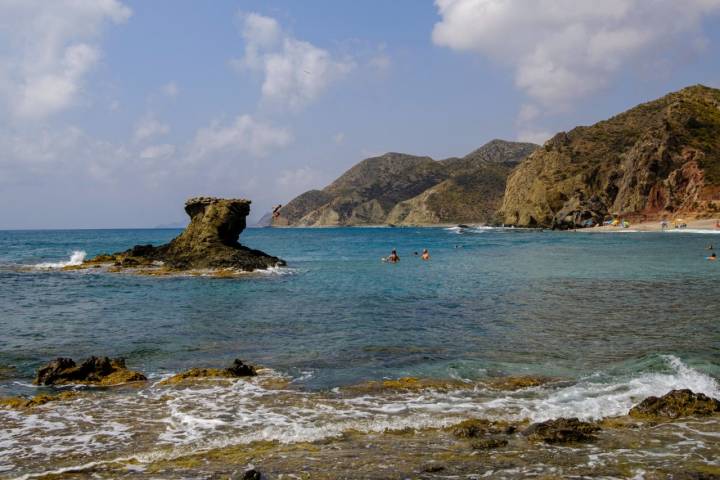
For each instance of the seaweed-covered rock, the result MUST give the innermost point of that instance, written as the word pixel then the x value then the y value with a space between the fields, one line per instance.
pixel 21 403
pixel 675 404
pixel 517 382
pixel 562 430
pixel 488 443
pixel 94 370
pixel 478 427
pixel 238 369
pixel 210 241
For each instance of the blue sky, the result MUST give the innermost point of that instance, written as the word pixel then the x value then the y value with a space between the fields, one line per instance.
pixel 112 112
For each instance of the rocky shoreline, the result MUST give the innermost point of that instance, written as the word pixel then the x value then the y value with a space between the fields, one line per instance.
pixel 469 446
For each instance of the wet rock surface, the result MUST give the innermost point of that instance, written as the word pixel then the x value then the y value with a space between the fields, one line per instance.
pixel 21 403
pixel 478 427
pixel 676 404
pixel 237 369
pixel 562 430
pixel 210 242
pixel 94 370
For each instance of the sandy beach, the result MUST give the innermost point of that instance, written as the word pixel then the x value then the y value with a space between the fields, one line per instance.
pixel 704 225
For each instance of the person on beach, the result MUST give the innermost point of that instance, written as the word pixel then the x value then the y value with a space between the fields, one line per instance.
pixel 712 256
pixel 425 255
pixel 394 257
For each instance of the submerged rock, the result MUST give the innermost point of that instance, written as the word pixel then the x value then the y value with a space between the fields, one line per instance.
pixel 562 430
pixel 210 242
pixel 410 384
pixel 675 404
pixel 478 427
pixel 21 403
pixel 488 443
pixel 518 382
pixel 238 369
pixel 94 370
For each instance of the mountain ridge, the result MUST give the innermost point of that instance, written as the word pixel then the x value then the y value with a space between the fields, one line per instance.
pixel 408 189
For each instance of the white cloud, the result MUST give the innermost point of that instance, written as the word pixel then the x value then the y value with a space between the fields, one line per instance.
pixel 35 156
pixel 300 180
pixel 339 138
pixel 566 49
pixel 148 126
pixel 158 151
pixel 244 135
pixel 528 113
pixel 49 47
pixel 170 90
pixel 295 72
pixel 533 136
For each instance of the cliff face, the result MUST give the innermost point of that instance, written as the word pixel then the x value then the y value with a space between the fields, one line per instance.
pixel 659 158
pixel 404 189
pixel 210 241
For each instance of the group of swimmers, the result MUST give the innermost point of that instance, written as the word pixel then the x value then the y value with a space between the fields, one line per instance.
pixel 394 257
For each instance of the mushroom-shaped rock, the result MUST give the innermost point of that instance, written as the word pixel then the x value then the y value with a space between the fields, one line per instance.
pixel 210 241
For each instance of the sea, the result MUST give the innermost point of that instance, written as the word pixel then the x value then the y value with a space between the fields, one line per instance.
pixel 606 319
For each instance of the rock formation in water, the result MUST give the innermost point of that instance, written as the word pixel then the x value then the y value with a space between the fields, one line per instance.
pixel 408 190
pixel 660 158
pixel 94 370
pixel 210 241
pixel 676 404
pixel 237 369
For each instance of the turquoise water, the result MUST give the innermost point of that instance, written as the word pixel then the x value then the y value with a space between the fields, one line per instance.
pixel 504 302
pixel 614 317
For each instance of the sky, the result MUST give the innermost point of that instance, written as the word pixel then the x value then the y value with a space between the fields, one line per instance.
pixel 113 112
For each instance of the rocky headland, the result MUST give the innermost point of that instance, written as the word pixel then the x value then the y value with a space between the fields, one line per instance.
pixel 208 243
pixel 659 159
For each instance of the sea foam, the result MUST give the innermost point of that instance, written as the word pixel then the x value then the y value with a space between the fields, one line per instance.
pixel 77 258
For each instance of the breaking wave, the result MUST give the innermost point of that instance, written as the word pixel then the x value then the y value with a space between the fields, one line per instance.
pixel 77 258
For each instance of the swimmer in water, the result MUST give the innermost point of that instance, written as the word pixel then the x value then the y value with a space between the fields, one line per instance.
pixel 425 255
pixel 712 256
pixel 394 257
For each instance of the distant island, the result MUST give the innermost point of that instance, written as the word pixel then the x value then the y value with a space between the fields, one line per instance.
pixel 658 159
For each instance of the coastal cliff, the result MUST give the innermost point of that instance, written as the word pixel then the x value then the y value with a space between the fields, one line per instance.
pixel 210 242
pixel 409 190
pixel 661 158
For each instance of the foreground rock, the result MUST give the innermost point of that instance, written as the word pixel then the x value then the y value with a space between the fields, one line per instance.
pixel 94 370
pixel 238 369
pixel 210 242
pixel 676 404
pixel 562 430
pixel 479 427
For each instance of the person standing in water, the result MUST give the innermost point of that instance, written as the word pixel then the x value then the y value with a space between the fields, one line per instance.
pixel 394 257
pixel 425 255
